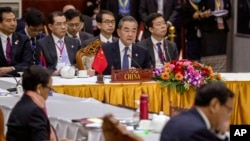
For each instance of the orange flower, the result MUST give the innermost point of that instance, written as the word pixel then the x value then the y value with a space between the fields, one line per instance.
pixel 178 76
pixel 165 76
pixel 167 70
pixel 211 76
pixel 210 69
pixel 219 76
pixel 166 65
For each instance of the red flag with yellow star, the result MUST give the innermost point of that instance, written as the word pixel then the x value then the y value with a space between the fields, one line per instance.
pixel 100 62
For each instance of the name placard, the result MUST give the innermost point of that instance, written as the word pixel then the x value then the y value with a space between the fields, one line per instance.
pixel 131 75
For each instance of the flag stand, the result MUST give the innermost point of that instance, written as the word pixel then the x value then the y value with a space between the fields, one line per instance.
pixel 99 78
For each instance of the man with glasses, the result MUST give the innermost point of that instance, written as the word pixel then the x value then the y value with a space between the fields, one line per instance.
pixel 74 23
pixel 207 120
pixel 15 50
pixel 34 26
pixel 106 23
pixel 59 50
pixel 161 50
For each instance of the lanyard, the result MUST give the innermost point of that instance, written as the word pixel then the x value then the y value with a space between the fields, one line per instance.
pixel 195 6
pixel 60 49
pixel 218 4
pixel 123 4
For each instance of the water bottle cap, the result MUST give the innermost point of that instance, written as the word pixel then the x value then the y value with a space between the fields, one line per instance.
pixel 144 97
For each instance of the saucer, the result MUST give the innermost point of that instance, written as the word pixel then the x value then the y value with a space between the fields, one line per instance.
pixel 83 76
pixel 68 77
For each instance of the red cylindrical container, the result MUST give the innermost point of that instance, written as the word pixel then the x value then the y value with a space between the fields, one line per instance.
pixel 144 106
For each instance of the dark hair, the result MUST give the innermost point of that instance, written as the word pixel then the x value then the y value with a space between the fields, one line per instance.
pixel 212 90
pixel 124 19
pixel 34 17
pixel 150 18
pixel 99 15
pixel 72 13
pixel 4 10
pixel 52 15
pixel 33 76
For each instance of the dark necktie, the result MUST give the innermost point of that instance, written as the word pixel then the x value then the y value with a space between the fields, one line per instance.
pixel 125 64
pixel 160 53
pixel 33 47
pixel 74 36
pixel 8 51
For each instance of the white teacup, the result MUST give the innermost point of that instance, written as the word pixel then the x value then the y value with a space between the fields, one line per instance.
pixel 82 73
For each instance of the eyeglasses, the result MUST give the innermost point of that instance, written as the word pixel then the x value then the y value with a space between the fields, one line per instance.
pixel 229 109
pixel 108 22
pixel 74 24
pixel 51 90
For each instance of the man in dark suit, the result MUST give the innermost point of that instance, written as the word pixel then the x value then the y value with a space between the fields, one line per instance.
pixel 59 50
pixel 34 26
pixel 123 54
pixel 106 23
pixel 15 50
pixel 74 22
pixel 208 120
pixel 166 50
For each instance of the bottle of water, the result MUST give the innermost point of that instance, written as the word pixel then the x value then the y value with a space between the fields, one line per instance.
pixel 144 106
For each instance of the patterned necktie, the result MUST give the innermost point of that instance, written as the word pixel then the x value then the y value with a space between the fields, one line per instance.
pixel 160 53
pixel 8 51
pixel 125 64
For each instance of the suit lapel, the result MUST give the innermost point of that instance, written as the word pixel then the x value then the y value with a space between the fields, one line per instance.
pixel 14 46
pixel 70 51
pixel 165 46
pixel 52 49
pixel 151 50
pixel 2 56
pixel 116 56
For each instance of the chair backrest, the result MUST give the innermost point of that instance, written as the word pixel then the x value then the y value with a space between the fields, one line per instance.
pixel 114 131
pixel 2 137
pixel 175 110
pixel 85 56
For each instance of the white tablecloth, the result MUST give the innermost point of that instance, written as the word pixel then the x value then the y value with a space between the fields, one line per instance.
pixel 63 108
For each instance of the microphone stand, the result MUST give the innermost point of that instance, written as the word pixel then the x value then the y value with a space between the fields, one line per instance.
pixel 133 60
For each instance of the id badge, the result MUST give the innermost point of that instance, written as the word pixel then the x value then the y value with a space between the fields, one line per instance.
pixel 220 23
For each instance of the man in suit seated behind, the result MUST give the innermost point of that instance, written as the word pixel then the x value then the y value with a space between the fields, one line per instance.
pixel 59 50
pixel 161 50
pixel 124 54
pixel 15 50
pixel 208 120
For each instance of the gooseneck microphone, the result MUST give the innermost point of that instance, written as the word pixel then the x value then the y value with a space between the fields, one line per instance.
pixel 133 60
pixel 18 88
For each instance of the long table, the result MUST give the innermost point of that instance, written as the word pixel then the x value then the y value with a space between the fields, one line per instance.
pixel 159 98
pixel 62 109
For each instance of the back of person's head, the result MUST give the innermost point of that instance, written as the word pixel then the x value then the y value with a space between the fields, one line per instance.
pixel 72 13
pixel 126 19
pixel 67 7
pixel 150 18
pixel 4 10
pixel 52 15
pixel 101 13
pixel 207 92
pixel 33 76
pixel 34 17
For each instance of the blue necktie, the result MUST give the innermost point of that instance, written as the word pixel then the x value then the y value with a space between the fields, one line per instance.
pixel 125 64
pixel 8 51
pixel 160 53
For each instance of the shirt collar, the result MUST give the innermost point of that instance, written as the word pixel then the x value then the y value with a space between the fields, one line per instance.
pixel 204 117
pixel 56 39
pixel 26 32
pixel 104 40
pixel 155 41
pixel 122 46
pixel 77 34
pixel 4 37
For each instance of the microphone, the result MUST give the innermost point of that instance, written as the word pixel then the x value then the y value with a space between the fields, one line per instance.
pixel 18 89
pixel 133 60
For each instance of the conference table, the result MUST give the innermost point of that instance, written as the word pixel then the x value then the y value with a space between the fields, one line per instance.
pixel 159 98
pixel 63 108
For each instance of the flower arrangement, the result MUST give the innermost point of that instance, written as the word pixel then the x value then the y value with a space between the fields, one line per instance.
pixel 183 74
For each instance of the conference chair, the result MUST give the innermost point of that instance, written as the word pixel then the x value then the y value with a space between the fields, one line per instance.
pixel 113 131
pixel 86 55
pixel 2 137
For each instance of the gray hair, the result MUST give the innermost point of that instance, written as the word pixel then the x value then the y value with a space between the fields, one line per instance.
pixel 128 19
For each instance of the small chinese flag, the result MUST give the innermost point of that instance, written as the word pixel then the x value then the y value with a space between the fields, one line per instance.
pixel 42 62
pixel 100 62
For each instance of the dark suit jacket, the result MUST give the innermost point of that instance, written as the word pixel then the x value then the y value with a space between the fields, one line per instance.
pixel 171 51
pixel 140 57
pixel 86 42
pixel 112 5
pixel 187 126
pixel 47 45
pixel 210 24
pixel 170 9
pixel 27 122
pixel 87 24
pixel 21 53
pixel 40 36
pixel 84 36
